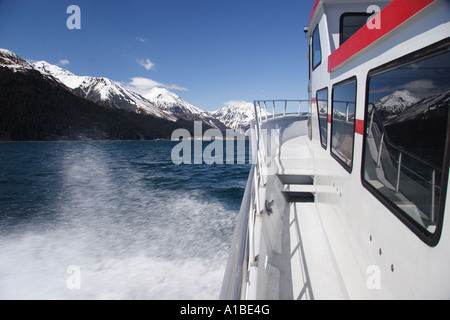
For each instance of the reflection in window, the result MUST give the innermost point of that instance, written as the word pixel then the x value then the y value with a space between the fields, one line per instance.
pixel 316 50
pixel 322 110
pixel 343 122
pixel 405 139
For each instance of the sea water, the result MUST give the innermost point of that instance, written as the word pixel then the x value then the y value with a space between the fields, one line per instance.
pixel 113 220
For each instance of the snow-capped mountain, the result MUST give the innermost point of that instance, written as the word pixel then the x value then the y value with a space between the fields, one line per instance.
pixel 396 102
pixel 14 62
pixel 175 105
pixel 159 102
pixel 236 116
pixel 102 91
pixel 422 109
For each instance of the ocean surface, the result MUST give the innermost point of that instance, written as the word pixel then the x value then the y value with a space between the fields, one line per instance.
pixel 113 220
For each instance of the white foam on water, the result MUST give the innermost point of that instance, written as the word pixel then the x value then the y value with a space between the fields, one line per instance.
pixel 127 239
pixel 34 267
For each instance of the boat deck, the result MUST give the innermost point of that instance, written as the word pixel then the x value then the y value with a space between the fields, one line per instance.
pixel 305 267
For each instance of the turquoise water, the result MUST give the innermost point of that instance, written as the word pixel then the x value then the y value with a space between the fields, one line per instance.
pixel 132 224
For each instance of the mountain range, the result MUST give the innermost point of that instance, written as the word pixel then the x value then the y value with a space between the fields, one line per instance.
pixel 395 103
pixel 403 105
pixel 102 91
pixel 415 108
pixel 37 106
pixel 417 124
pixel 177 107
pixel 158 103
pixel 236 115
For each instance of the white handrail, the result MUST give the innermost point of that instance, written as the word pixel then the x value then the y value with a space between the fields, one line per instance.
pixel 243 251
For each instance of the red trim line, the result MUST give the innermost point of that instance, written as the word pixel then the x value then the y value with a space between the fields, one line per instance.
pixel 329 118
pixel 359 127
pixel 393 15
pixel 313 10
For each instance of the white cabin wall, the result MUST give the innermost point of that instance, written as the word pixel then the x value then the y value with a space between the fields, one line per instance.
pixel 320 74
pixel 334 12
pixel 362 232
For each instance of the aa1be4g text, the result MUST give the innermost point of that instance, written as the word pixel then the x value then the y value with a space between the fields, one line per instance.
pixel 245 309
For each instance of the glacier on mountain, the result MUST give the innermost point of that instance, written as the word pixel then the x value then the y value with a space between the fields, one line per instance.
pixel 175 105
pixel 102 91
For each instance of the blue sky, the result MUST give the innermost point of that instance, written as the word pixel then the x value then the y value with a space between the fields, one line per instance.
pixel 207 51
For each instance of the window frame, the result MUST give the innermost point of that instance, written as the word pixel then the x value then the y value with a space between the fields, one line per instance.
pixel 314 67
pixel 350 14
pixel 325 146
pixel 347 167
pixel 431 239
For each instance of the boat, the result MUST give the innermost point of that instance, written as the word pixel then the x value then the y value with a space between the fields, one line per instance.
pixel 346 196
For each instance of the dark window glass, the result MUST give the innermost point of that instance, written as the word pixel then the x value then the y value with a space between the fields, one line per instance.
pixel 322 111
pixel 316 50
pixel 350 23
pixel 405 138
pixel 343 122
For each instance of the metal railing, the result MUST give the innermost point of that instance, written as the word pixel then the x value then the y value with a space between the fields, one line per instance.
pixel 288 107
pixel 349 116
pixel 235 271
pixel 242 253
pixel 379 134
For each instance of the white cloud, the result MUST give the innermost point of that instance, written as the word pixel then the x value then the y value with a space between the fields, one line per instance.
pixel 144 85
pixel 63 62
pixel 419 85
pixel 147 64
pixel 141 40
pixel 235 102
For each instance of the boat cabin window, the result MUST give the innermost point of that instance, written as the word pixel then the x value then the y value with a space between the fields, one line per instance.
pixel 406 137
pixel 316 50
pixel 350 23
pixel 322 111
pixel 343 122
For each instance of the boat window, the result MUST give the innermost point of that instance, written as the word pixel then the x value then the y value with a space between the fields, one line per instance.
pixel 343 122
pixel 350 23
pixel 322 111
pixel 316 50
pixel 406 136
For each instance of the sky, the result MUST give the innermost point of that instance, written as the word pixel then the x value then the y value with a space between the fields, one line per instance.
pixel 209 52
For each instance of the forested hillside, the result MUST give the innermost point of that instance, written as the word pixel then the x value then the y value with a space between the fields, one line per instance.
pixel 33 108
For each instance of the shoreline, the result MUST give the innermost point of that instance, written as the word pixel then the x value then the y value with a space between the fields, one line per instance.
pixel 119 140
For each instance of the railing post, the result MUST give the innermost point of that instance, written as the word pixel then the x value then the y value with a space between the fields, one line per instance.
pixel 379 151
pixel 257 116
pixel 251 223
pixel 399 169
pixel 346 113
pixel 285 107
pixel 433 194
pixel 265 109
pixel 258 113
pixel 273 108
pixel 371 122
